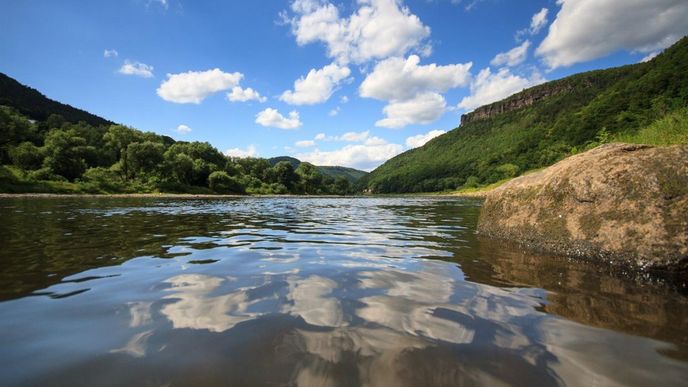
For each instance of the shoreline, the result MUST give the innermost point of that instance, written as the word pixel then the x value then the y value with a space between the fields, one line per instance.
pixel 142 195
pixel 472 195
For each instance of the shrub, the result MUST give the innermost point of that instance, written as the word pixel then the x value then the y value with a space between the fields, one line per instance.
pixel 471 182
pixel 27 156
pixel 105 179
pixel 221 182
pixel 44 174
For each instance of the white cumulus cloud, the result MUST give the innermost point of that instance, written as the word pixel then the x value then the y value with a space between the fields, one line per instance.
pixel 378 29
pixel 110 53
pixel 490 87
pixel 195 86
pixel 422 109
pixel 588 29
pixel 272 118
pixel 136 68
pixel 250 151
pixel 421 139
pixel 183 129
pixel 243 95
pixel 513 57
pixel 366 156
pixel 399 79
pixel 317 86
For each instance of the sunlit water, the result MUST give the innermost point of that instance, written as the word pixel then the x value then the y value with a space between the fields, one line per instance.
pixel 313 292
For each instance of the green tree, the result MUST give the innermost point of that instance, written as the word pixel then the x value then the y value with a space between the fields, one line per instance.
pixel 233 169
pixel 145 157
pixel 65 153
pixel 118 138
pixel 285 175
pixel 14 128
pixel 342 186
pixel 27 156
pixel 310 177
pixel 182 168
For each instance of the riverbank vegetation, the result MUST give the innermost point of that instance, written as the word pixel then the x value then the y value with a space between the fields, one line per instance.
pixel 58 156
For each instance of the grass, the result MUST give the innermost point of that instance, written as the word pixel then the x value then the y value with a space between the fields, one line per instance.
pixel 483 189
pixel 669 130
pixel 479 191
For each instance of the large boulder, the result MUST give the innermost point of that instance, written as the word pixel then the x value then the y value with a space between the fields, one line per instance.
pixel 619 203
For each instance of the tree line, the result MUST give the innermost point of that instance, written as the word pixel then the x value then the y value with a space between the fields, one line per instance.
pixel 55 155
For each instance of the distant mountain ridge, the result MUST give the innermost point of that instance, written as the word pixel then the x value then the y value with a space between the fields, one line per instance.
pixel 37 106
pixel 352 174
pixel 541 125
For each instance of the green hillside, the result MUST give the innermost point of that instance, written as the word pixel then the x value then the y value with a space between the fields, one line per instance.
pixel 547 123
pixel 31 103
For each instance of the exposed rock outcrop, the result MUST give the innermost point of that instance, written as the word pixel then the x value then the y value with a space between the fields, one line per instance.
pixel 620 203
pixel 529 97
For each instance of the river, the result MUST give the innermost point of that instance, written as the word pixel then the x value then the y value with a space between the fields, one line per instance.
pixel 314 292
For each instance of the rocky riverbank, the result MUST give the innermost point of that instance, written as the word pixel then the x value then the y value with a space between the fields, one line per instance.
pixel 619 203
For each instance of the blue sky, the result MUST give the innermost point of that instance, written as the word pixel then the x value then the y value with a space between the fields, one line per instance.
pixel 350 82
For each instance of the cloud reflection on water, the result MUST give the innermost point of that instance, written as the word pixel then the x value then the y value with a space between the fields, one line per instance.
pixel 325 292
pixel 195 306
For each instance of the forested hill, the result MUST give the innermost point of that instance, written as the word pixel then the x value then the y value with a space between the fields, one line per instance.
pixel 46 146
pixel 544 124
pixel 31 103
pixel 351 174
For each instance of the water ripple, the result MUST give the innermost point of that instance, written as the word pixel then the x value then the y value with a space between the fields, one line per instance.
pixel 378 291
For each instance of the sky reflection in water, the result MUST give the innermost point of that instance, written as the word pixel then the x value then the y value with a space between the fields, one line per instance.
pixel 313 292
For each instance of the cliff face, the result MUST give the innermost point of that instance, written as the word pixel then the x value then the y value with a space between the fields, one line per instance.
pixel 618 203
pixel 524 99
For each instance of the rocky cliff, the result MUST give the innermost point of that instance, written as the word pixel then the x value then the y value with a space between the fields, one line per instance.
pixel 531 96
pixel 618 203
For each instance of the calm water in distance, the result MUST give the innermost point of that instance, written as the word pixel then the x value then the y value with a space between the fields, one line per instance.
pixel 313 292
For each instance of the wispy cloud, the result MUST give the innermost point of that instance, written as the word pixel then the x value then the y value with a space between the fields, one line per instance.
pixel 136 68
pixel 165 4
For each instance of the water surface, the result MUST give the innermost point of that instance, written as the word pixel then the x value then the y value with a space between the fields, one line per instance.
pixel 313 292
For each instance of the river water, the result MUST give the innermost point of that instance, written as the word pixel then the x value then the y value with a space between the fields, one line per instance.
pixel 314 292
